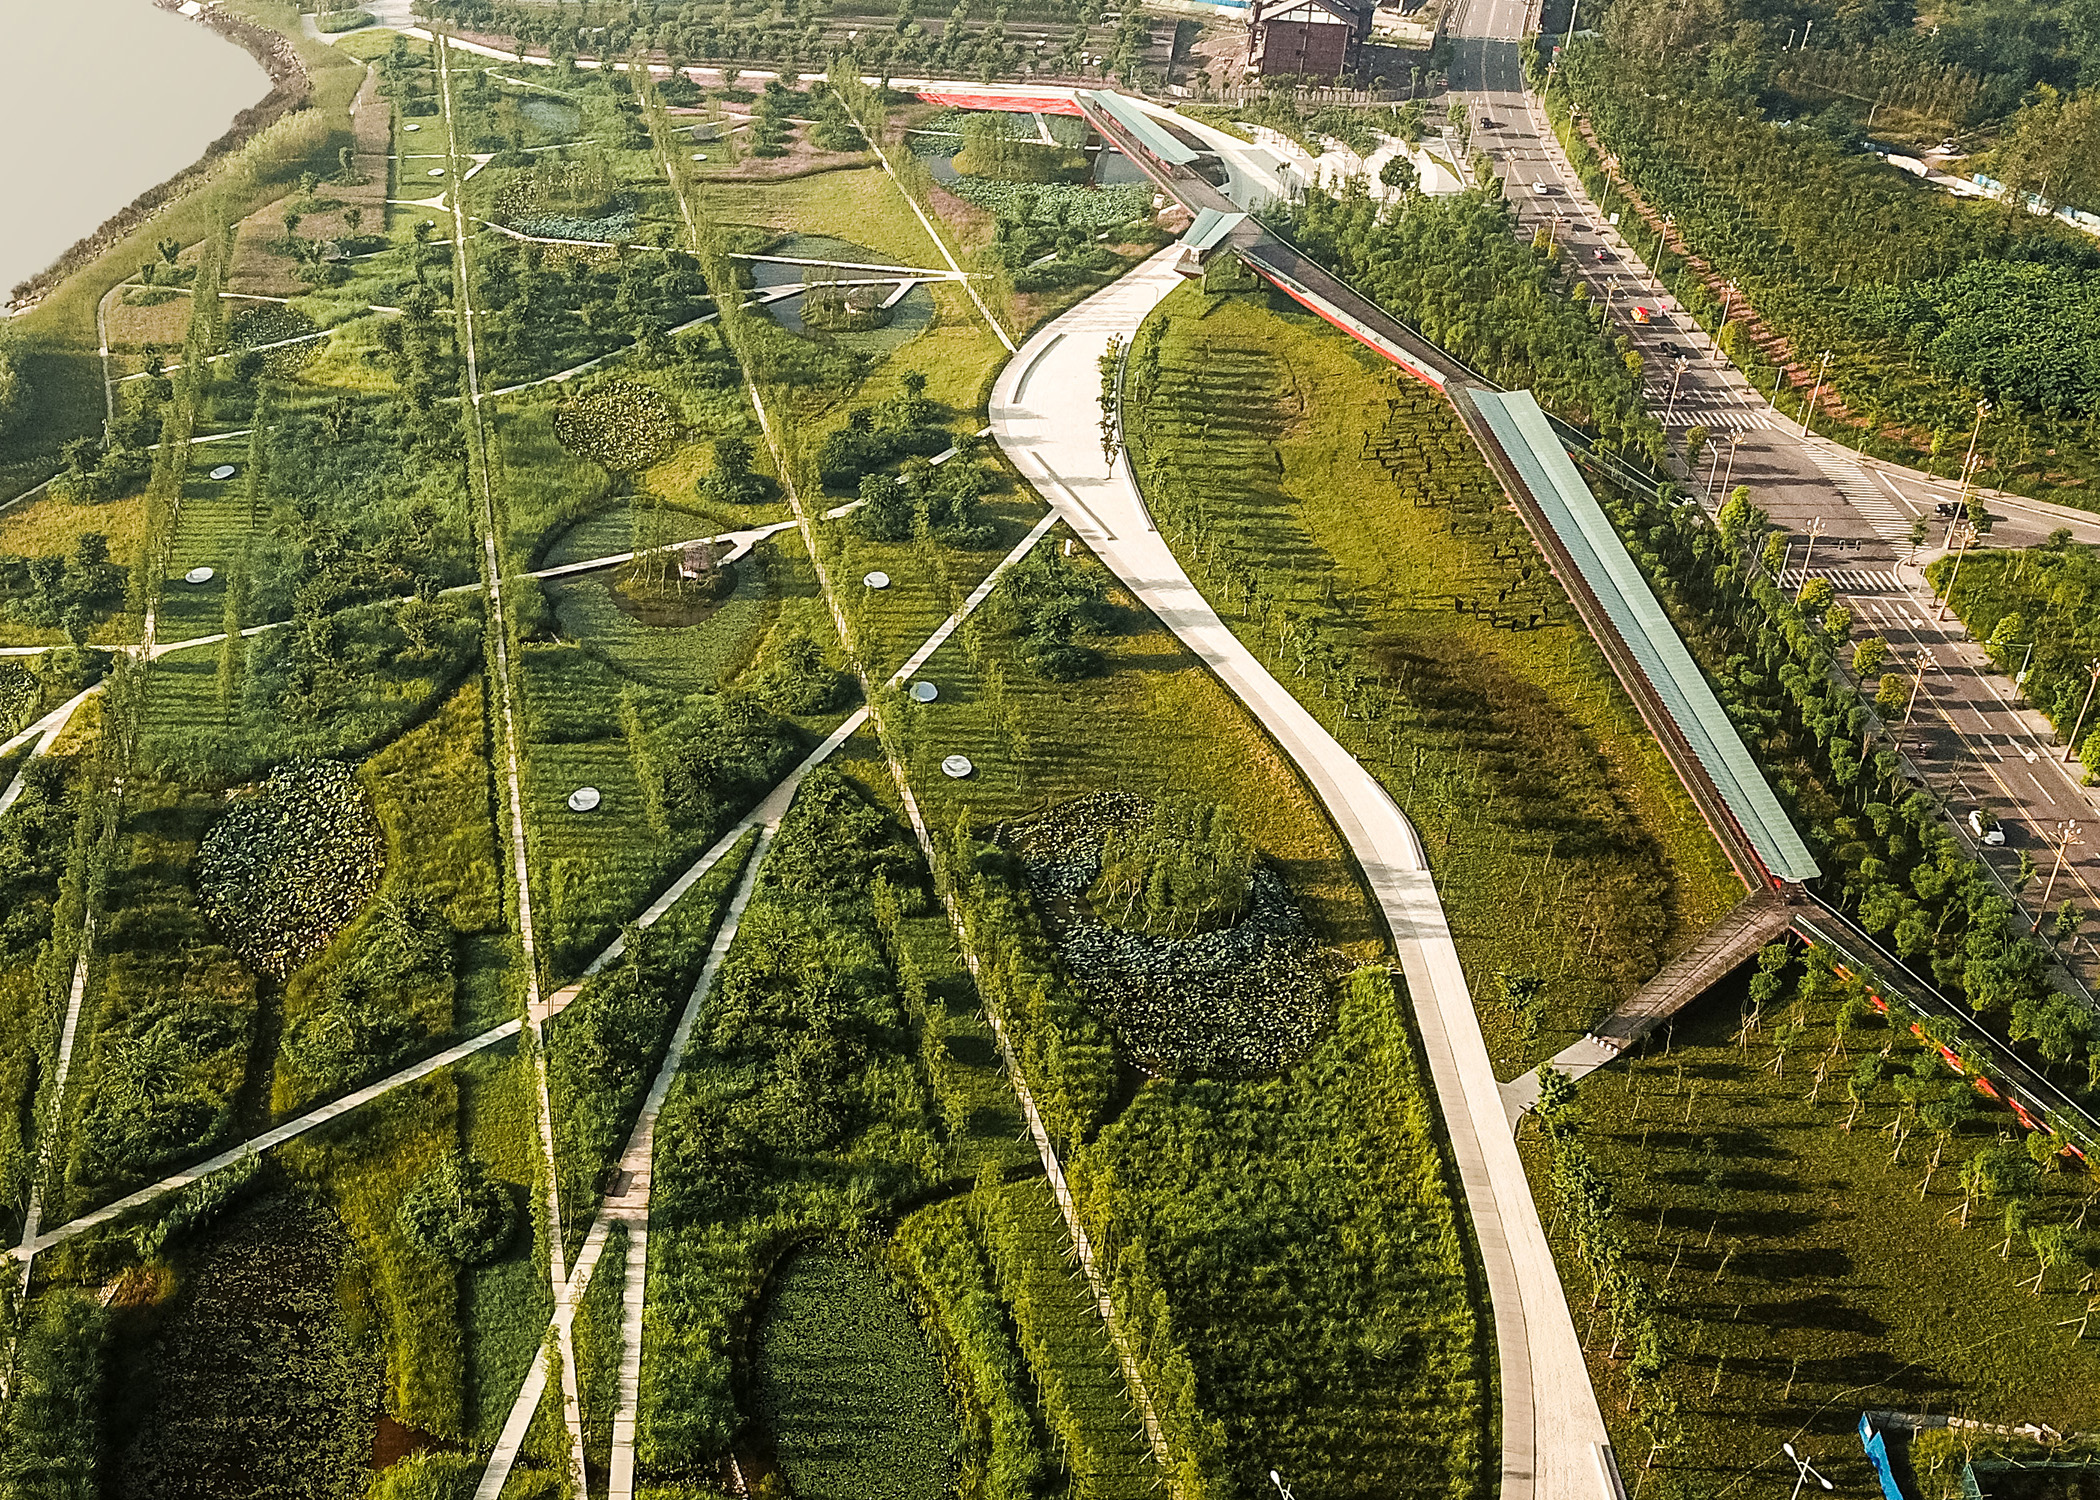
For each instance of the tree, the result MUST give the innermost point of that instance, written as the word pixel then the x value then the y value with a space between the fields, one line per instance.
pixel 1892 695
pixel 454 1212
pixel 1868 655
pixel 733 481
pixel 2069 917
pixel 1400 175
pixel 886 513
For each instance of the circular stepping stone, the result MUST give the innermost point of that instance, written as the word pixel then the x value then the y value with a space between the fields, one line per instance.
pixel 699 156
pixel 924 692
pixel 877 580
pixel 223 471
pixel 411 127
pixel 957 767
pixel 198 575
pixel 584 799
pixel 435 172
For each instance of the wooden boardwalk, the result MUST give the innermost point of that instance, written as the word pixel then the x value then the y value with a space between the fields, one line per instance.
pixel 1760 918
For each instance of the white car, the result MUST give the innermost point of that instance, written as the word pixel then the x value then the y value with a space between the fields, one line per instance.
pixel 1540 190
pixel 1986 827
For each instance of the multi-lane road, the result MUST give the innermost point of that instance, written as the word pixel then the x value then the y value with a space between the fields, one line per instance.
pixel 1968 734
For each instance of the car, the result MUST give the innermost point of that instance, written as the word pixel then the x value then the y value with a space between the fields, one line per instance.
pixel 1601 253
pixel 1674 351
pixel 1486 123
pixel 1948 147
pixel 1540 190
pixel 1642 315
pixel 1946 508
pixel 1986 827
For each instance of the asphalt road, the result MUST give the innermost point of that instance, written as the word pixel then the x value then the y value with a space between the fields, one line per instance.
pixel 1968 734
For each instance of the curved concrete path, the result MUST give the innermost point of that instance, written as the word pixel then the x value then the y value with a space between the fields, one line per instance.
pixel 1045 414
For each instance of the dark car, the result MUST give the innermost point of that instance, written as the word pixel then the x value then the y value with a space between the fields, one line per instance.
pixel 1601 253
pixel 1946 508
pixel 1486 123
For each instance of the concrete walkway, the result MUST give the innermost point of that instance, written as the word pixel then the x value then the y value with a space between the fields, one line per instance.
pixel 1045 415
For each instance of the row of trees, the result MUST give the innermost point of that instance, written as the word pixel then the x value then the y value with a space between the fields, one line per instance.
pixel 1454 269
pixel 1885 847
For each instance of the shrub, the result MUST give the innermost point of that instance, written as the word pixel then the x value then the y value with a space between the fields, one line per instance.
pixel 454 1212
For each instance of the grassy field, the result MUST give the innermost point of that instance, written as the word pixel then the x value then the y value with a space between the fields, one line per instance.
pixel 1409 611
pixel 1803 1275
pixel 847 1393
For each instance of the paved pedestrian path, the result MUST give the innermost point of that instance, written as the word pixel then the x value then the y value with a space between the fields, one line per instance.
pixel 1044 414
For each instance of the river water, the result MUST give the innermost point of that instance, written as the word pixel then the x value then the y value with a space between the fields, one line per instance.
pixel 100 100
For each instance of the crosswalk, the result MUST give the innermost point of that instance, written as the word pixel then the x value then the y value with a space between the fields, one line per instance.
pixel 1850 580
pixel 1874 505
pixel 1739 419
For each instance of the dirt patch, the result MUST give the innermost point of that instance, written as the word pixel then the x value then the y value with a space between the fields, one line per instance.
pixel 801 159
pixel 394 1441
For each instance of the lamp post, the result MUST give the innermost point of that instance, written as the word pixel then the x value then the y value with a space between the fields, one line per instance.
pixel 1815 529
pixel 1735 441
pixel 1814 391
pixel 1925 663
pixel 2066 835
pixel 1675 378
pixel 1281 1488
pixel 1808 1470
pixel 2071 750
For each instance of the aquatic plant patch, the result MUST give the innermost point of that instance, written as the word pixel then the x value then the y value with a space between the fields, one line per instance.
pixel 291 864
pixel 622 424
pixel 1241 999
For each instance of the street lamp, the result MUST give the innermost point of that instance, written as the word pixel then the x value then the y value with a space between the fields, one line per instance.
pixel 1735 441
pixel 2066 835
pixel 1925 664
pixel 1674 380
pixel 1807 1469
pixel 2071 750
pixel 1814 391
pixel 1968 463
pixel 1963 537
pixel 1281 1488
pixel 1815 529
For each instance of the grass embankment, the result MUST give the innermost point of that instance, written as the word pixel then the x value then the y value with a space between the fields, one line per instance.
pixel 1345 527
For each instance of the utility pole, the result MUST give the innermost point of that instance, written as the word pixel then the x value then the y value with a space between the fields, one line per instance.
pixel 1814 391
pixel 2071 750
pixel 1727 302
pixel 2066 835
pixel 1964 537
pixel 1675 378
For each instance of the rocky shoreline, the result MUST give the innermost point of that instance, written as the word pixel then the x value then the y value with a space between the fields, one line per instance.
pixel 291 88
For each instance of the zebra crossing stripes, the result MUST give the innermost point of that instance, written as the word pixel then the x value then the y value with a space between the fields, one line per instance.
pixel 1889 521
pixel 1853 580
pixel 1739 420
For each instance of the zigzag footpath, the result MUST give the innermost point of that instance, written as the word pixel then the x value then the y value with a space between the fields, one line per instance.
pixel 1044 415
